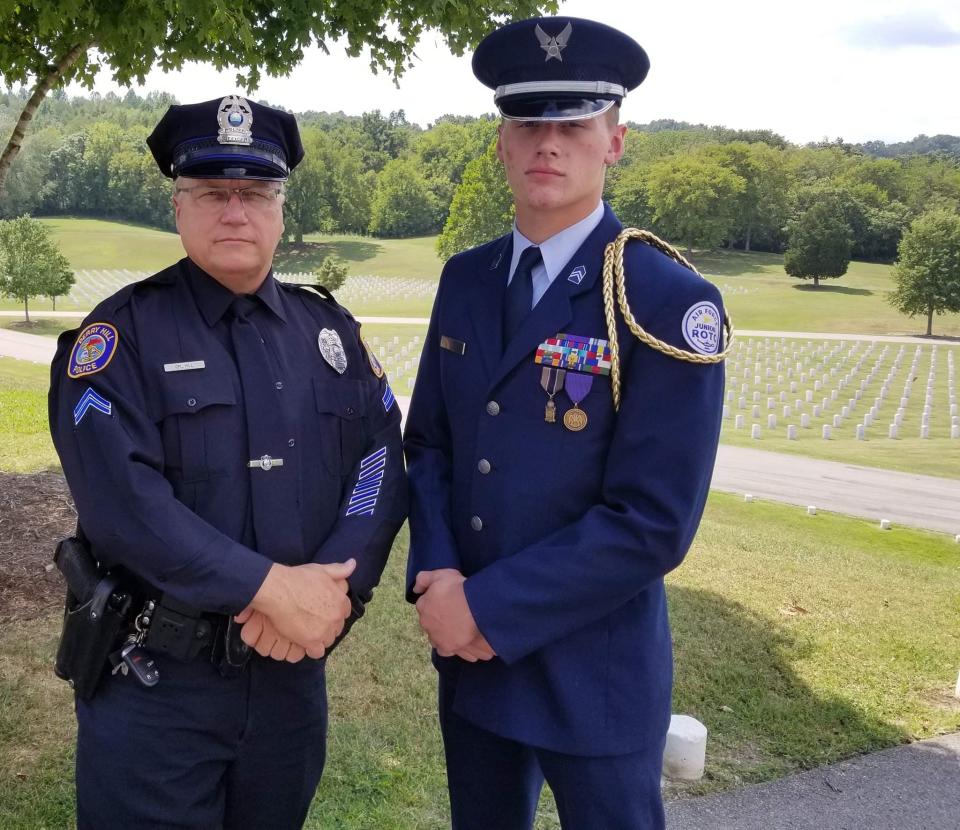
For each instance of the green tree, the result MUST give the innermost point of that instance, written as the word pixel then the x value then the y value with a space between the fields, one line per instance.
pixel 50 43
pixel 482 207
pixel 31 265
pixel 694 198
pixel 402 203
pixel 927 273
pixel 331 273
pixel 819 246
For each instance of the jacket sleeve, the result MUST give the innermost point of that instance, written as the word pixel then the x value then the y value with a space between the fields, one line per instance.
pixel 374 502
pixel 656 477
pixel 428 449
pixel 113 460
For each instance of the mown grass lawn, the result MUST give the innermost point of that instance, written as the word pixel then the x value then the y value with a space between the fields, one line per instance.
pixel 799 641
pixel 758 293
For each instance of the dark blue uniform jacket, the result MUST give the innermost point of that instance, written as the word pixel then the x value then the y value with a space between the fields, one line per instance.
pixel 161 481
pixel 565 541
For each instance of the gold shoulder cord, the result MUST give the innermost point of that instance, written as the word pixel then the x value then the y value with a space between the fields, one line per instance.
pixel 614 276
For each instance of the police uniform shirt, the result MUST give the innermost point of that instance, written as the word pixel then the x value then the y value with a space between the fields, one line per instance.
pixel 148 416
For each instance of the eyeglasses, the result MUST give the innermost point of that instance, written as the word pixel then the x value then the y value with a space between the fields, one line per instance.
pixel 214 199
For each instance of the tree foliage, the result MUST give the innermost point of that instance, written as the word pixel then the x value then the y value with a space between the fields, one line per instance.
pixel 331 273
pixel 693 198
pixel 54 42
pixel 31 265
pixel 927 273
pixel 402 203
pixel 482 207
pixel 819 246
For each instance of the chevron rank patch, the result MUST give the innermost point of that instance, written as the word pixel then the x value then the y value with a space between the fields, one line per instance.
pixel 94 349
pixel 363 499
pixel 90 400
pixel 388 399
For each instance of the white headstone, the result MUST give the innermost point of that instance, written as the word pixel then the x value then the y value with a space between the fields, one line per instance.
pixel 884 524
pixel 804 420
pixel 792 432
pixel 892 433
pixel 738 422
pixel 755 431
pixel 827 431
pixel 811 510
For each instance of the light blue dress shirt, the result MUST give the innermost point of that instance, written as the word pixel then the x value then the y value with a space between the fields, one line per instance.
pixel 556 251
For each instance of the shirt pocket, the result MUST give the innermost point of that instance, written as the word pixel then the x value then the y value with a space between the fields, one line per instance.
pixel 341 420
pixel 201 425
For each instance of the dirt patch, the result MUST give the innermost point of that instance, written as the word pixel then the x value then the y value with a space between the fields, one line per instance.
pixel 36 511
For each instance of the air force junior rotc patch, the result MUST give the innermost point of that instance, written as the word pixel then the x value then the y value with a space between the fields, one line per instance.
pixel 701 327
pixel 331 347
pixel 94 349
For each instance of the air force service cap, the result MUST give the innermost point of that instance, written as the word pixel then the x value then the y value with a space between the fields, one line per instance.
pixel 558 68
pixel 227 138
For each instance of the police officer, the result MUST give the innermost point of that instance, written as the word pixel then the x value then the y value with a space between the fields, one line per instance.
pixel 548 500
pixel 234 450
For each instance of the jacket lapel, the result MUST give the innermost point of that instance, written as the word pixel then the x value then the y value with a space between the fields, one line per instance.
pixel 486 300
pixel 554 312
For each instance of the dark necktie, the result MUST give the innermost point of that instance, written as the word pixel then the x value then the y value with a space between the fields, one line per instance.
pixel 272 465
pixel 520 292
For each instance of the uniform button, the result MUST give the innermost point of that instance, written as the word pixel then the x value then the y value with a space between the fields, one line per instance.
pixel 191 401
pixel 493 408
pixel 476 523
pixel 291 443
pixel 483 466
pixel 350 410
pixel 278 385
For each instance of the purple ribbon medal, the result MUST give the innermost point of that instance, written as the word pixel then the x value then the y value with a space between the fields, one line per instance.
pixel 577 387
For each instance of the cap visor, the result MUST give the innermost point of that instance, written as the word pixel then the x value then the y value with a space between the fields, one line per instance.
pixel 553 109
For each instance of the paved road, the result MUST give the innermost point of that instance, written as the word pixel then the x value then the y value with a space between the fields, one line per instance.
pixel 912 787
pixel 903 498
pixel 914 500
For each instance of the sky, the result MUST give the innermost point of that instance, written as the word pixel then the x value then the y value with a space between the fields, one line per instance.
pixel 852 69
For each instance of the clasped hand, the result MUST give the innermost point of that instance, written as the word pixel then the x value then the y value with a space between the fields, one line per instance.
pixel 446 618
pixel 298 612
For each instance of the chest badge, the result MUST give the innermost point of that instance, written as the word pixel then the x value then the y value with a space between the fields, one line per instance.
pixel 331 347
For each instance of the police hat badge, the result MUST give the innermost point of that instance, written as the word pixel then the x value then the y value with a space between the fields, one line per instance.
pixel 236 120
pixel 331 347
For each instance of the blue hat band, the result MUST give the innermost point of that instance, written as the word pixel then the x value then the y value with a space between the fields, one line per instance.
pixel 211 159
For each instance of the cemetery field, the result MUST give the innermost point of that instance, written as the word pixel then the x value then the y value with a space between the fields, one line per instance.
pixel 799 641
pixel 758 293
pixel 887 405
pixel 25 443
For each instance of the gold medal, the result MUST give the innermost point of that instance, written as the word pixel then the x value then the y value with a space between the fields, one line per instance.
pixel 550 413
pixel 575 419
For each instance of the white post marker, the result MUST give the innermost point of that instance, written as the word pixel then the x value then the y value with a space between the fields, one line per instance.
pixel 811 510
pixel 884 524
pixel 684 755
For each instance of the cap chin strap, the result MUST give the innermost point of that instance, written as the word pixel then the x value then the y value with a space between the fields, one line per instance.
pixel 577 117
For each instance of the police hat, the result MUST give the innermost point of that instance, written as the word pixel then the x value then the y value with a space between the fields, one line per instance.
pixel 227 138
pixel 558 68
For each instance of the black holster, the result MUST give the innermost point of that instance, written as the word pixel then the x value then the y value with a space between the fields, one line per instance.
pixel 94 618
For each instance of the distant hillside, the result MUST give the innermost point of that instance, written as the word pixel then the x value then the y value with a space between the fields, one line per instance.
pixel 922 145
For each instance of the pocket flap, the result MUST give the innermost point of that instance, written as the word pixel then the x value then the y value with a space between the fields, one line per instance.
pixel 345 398
pixel 182 394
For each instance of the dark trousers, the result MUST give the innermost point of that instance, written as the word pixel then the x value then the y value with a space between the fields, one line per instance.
pixel 495 783
pixel 202 751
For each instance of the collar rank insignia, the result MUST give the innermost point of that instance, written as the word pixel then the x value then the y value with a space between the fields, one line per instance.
pixel 235 118
pixel 94 349
pixel 553 46
pixel 577 275
pixel 331 347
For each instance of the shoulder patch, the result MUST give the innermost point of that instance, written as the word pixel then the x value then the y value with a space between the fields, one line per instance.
pixel 701 327
pixel 95 347
pixel 375 366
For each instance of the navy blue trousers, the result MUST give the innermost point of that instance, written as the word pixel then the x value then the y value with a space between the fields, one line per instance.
pixel 495 783
pixel 202 751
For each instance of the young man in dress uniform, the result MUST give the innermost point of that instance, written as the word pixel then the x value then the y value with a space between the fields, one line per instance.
pixel 543 518
pixel 234 451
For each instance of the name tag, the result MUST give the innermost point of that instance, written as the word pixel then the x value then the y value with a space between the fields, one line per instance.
pixel 185 366
pixel 451 345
